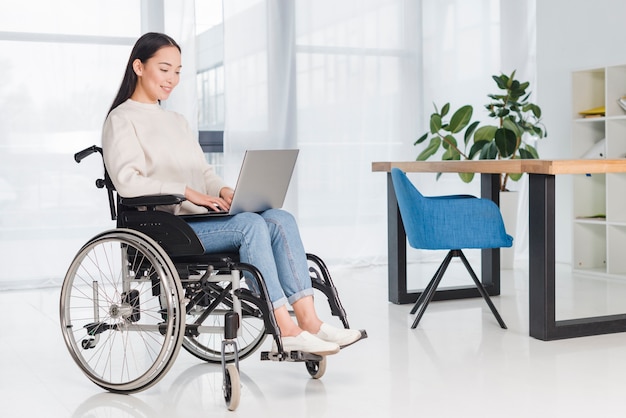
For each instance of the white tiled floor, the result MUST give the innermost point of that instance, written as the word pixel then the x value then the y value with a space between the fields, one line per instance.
pixel 457 363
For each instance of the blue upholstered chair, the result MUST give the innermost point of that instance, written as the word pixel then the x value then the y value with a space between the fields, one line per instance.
pixel 448 223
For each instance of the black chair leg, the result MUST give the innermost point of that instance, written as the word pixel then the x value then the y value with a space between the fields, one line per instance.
pixel 424 293
pixel 432 288
pixel 481 289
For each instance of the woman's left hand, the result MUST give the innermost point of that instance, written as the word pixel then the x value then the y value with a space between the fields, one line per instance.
pixel 227 194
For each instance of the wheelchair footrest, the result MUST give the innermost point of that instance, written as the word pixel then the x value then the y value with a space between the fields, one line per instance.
pixel 294 356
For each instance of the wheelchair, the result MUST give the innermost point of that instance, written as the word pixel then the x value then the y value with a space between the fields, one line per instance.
pixel 134 295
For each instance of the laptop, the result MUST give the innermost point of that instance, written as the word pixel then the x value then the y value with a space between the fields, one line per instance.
pixel 263 181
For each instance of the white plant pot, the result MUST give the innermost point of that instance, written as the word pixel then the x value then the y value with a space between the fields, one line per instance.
pixel 508 208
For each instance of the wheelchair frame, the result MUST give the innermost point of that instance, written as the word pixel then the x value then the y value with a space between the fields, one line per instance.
pixel 123 298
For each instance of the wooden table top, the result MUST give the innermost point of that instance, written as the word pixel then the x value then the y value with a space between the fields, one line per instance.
pixel 506 166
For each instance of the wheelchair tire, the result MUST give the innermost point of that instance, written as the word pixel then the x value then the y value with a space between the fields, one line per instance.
pixel 119 309
pixel 207 346
pixel 232 387
pixel 316 368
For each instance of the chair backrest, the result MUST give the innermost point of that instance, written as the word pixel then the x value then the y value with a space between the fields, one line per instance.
pixel 448 222
pixel 410 202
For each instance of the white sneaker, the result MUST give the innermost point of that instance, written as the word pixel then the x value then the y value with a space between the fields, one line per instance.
pixel 341 337
pixel 307 343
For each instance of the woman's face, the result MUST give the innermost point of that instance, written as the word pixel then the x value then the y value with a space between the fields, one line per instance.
pixel 157 77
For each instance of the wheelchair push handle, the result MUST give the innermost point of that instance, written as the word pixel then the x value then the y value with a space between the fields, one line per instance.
pixel 78 157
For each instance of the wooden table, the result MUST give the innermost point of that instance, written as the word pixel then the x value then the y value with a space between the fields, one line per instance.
pixel 541 223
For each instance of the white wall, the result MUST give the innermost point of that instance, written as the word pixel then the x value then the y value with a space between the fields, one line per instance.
pixel 571 35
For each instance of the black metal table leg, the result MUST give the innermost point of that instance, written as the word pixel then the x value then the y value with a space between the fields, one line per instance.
pixel 542 289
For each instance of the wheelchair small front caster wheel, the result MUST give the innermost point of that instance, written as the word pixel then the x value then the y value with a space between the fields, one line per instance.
pixel 232 387
pixel 316 368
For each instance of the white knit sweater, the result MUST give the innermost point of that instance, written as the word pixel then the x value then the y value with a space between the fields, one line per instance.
pixel 149 150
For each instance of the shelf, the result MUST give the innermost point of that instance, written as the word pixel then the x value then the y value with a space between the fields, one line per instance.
pixel 594 272
pixel 590 220
pixel 598 243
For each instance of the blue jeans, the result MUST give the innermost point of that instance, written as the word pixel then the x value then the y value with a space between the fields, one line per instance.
pixel 270 241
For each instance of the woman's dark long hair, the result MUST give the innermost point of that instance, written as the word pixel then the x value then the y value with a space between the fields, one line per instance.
pixel 145 48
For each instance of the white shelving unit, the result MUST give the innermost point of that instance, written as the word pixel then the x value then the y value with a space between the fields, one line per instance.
pixel 599 230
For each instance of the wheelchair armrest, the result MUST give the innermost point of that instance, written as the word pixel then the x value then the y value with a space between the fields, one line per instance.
pixel 153 200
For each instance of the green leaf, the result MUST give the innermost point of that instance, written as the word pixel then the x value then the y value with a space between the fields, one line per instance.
pixel 506 141
pixel 435 123
pixel 489 152
pixel 449 140
pixel 536 110
pixel 509 123
pixel 515 176
pixel 477 147
pixel 501 81
pixel 466 177
pixel 451 154
pixel 460 119
pixel 503 112
pixel 421 139
pixel 529 152
pixel 470 131
pixel 430 150
pixel 537 131
pixel 445 109
pixel 485 133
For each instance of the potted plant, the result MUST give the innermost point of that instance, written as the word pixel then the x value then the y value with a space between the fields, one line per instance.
pixel 517 121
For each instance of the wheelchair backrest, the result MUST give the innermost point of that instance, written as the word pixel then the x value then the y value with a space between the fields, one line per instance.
pixel 168 230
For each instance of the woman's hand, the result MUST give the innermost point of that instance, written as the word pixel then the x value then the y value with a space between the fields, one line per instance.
pixel 210 202
pixel 227 194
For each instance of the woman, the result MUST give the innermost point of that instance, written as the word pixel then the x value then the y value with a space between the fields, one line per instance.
pixel 149 150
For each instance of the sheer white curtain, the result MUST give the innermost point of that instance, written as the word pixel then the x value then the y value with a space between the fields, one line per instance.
pixel 339 81
pixel 353 82
pixel 179 23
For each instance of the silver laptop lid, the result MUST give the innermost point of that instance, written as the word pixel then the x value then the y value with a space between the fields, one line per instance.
pixel 263 180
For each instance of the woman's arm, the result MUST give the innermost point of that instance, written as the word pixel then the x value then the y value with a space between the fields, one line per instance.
pixel 126 164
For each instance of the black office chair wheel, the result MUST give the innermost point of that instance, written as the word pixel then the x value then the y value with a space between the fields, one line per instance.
pixel 316 368
pixel 232 387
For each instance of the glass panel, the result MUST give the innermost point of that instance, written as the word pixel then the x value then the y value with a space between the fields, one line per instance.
pixel 75 17
pixel 211 99
pixel 57 87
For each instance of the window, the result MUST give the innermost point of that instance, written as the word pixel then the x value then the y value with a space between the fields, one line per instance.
pixel 210 79
pixel 59 78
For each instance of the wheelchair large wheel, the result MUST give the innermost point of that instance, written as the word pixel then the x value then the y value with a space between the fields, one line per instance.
pixel 119 308
pixel 206 343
